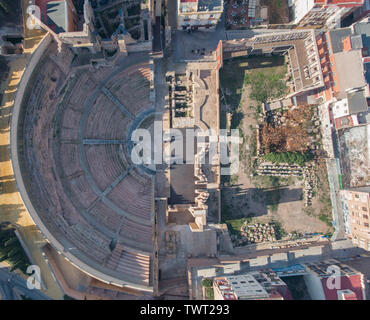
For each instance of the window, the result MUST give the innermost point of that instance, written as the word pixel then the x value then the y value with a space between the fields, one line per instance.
pixel 366 216
pixel 362 243
pixel 364 209
pixel 366 225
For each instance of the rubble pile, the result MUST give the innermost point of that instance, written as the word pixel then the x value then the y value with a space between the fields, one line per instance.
pixel 279 170
pixel 254 233
pixel 293 130
pixel 310 184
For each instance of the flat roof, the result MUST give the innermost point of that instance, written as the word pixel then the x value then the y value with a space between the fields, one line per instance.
pixel 182 184
pixel 355 156
pixel 57 15
pixel 246 286
pixel 209 5
pixel 350 70
pixel 362 28
pixel 357 101
pixel 360 189
pixel 336 38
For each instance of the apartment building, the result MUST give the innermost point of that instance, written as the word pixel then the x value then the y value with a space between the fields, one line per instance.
pixel 257 285
pixel 333 280
pixel 322 12
pixel 345 63
pixel 195 14
pixel 356 209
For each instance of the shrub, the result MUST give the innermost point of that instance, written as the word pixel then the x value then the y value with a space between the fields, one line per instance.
pixel 207 283
pixel 210 294
pixel 289 157
pixel 11 250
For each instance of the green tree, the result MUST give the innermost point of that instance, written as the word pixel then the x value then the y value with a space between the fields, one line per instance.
pixel 3 6
pixel 13 240
pixel 207 283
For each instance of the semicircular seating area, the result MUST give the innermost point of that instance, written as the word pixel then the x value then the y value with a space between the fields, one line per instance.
pixel 83 190
pixel 104 163
pixel 134 196
pixel 131 263
pixel 132 87
pixel 105 121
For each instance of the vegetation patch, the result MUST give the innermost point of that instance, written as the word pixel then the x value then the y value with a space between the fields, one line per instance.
pixel 235 225
pixel 207 283
pixel 279 230
pixel 208 289
pixel 289 157
pixel 209 294
pixel 325 218
pixel 266 86
pixel 11 250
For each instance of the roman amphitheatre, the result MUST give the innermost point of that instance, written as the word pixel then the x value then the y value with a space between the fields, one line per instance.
pixel 70 152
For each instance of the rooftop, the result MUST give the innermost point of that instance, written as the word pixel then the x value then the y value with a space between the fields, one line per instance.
pixel 209 5
pixel 351 71
pixel 201 5
pixel 57 15
pixel 352 283
pixel 357 101
pixel 261 284
pixel 360 189
pixel 354 156
pixel 182 184
pixel 337 36
pixel 241 287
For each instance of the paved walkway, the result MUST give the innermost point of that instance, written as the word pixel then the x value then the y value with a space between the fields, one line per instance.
pixel 12 208
pixel 333 174
pixel 334 185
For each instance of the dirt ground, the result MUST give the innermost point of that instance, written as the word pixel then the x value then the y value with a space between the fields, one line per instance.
pixel 261 197
pixel 278 11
